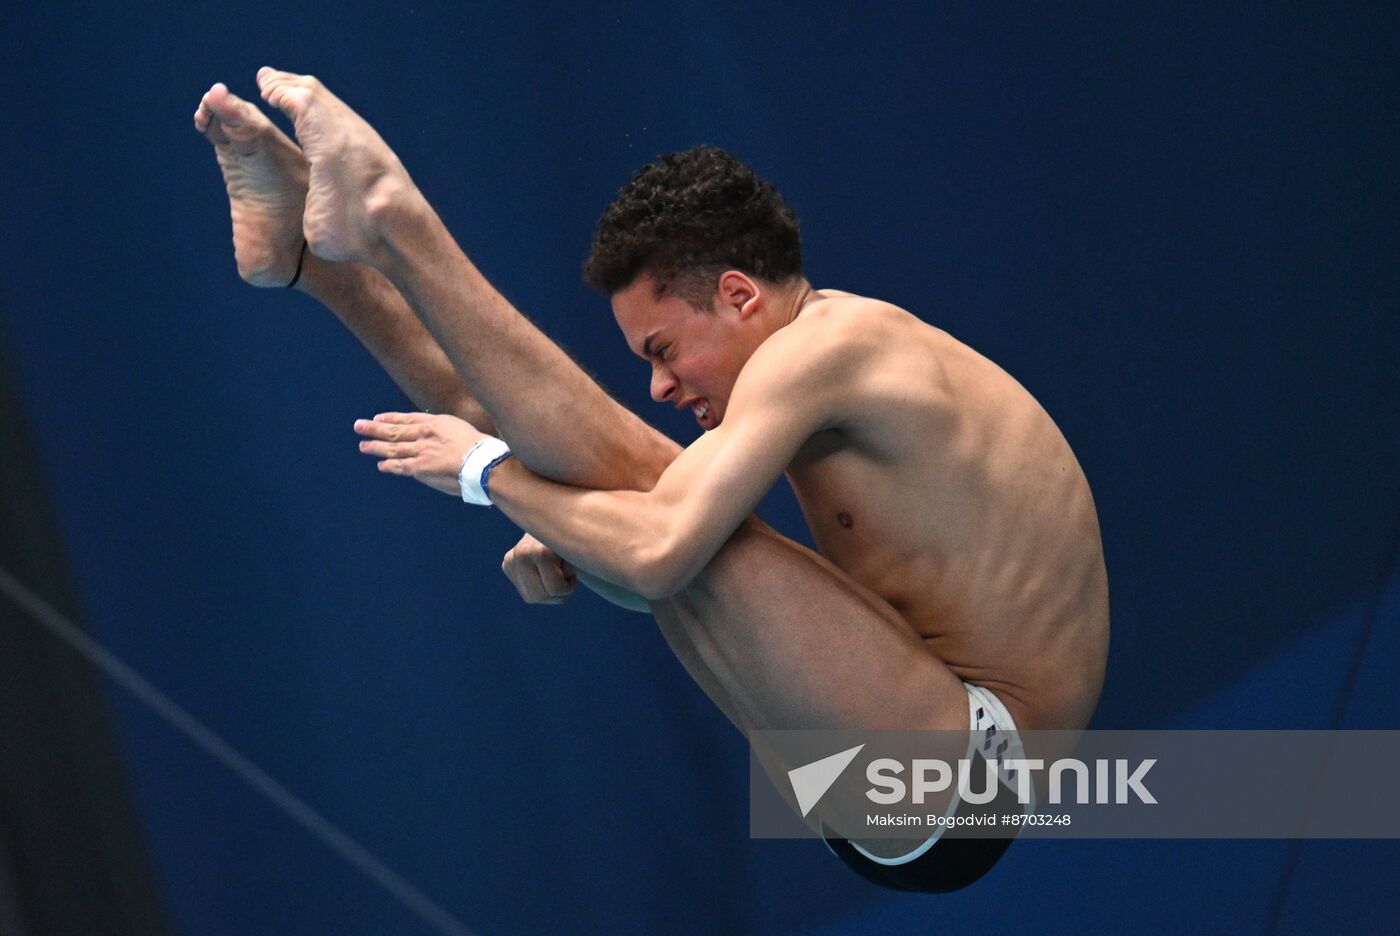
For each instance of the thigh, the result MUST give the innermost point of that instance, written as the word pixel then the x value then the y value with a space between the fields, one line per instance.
pixel 789 641
pixel 689 656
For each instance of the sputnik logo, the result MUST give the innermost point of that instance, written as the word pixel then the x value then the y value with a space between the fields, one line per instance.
pixel 811 781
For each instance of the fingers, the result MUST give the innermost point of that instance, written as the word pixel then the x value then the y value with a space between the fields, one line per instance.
pixel 403 417
pixel 552 578
pixel 419 445
pixel 537 574
pixel 391 439
pixel 388 431
pixel 399 450
pixel 395 441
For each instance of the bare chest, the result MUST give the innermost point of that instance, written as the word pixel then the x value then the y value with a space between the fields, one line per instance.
pixel 866 517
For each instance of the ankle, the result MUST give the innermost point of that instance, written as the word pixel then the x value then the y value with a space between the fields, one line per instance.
pixel 396 209
pixel 321 279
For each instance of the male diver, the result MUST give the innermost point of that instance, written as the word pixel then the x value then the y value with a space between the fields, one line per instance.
pixel 960 582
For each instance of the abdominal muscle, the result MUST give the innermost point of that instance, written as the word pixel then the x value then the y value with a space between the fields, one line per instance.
pixel 968 513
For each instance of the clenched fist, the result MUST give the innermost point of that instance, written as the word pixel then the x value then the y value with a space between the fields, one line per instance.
pixel 538 574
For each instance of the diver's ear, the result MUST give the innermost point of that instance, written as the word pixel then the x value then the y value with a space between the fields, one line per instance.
pixel 739 292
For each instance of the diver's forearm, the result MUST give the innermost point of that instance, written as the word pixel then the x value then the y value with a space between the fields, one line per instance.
pixel 619 536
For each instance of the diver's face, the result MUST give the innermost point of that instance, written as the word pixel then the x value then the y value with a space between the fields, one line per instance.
pixel 695 355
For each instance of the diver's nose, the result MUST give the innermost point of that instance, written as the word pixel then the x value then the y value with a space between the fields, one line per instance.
pixel 663 384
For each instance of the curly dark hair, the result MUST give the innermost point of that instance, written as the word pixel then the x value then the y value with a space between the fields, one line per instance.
pixel 686 218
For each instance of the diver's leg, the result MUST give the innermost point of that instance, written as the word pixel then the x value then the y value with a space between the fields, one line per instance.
pixel 361 205
pixel 798 644
pixel 266 175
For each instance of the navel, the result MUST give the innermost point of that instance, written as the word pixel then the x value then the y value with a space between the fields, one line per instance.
pixel 845 520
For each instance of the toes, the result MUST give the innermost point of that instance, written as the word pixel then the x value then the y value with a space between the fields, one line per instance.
pixel 225 118
pixel 270 79
pixel 207 122
pixel 203 116
pixel 215 113
pixel 269 74
pixel 287 97
pixel 234 112
pixel 206 125
pixel 222 104
pixel 286 91
pixel 220 112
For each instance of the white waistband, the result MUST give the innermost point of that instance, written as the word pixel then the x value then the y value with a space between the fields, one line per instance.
pixel 993 731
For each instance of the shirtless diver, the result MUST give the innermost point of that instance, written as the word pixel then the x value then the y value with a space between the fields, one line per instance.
pixel 960 580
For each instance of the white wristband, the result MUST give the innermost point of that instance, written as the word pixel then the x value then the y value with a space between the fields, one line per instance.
pixel 476 468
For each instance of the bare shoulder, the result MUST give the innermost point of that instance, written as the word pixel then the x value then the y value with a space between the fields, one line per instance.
pixel 836 348
pixel 854 314
pixel 853 327
pixel 837 332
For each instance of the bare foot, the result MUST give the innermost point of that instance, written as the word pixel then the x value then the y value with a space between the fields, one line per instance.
pixel 354 174
pixel 266 177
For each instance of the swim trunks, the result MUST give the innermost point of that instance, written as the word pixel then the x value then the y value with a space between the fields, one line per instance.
pixel 956 855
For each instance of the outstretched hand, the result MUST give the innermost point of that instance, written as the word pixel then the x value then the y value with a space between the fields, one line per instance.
pixel 426 447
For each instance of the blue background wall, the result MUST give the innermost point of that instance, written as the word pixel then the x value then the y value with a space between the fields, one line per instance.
pixel 1177 229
